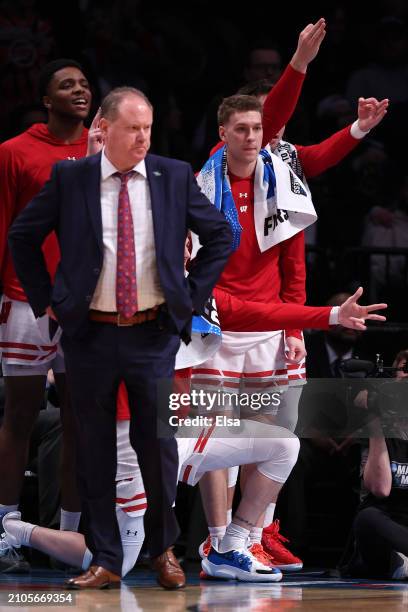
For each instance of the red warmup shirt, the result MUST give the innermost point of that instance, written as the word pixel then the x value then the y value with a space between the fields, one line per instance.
pixel 255 276
pixel 285 278
pixel 25 166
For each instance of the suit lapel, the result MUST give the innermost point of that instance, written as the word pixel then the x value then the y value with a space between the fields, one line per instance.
pixel 155 176
pixel 92 189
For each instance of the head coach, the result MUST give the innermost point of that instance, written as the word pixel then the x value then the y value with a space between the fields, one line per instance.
pixel 123 302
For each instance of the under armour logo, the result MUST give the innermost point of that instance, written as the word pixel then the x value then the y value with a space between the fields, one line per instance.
pixel 72 158
pixel 243 195
pixel 129 532
pixel 243 208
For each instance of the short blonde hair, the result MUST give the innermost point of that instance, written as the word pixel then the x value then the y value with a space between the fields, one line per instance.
pixel 237 104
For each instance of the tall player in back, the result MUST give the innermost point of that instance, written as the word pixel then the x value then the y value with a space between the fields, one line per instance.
pixel 29 347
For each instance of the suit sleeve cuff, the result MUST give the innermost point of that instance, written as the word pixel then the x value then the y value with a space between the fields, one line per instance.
pixel 356 132
pixel 334 315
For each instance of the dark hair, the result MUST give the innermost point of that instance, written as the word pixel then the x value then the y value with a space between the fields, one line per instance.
pixel 237 104
pixel 256 88
pixel 110 103
pixel 48 71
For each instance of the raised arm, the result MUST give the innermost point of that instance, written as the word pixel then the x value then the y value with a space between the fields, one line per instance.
pixel 281 101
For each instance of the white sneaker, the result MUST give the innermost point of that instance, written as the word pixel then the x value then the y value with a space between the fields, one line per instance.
pixel 11 561
pixel 239 565
pixel 399 563
pixel 4 545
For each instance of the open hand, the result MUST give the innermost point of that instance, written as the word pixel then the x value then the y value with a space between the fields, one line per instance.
pixel 370 112
pixel 354 316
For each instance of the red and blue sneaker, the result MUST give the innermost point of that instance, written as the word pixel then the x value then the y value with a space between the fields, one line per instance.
pixel 239 565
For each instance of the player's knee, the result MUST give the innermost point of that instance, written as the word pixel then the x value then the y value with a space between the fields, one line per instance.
pixel 287 449
pixel 283 456
pixel 292 446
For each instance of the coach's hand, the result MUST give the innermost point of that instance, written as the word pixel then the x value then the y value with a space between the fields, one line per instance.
pixel 354 316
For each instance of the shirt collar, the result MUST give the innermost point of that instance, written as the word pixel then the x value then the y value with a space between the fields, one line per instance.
pixel 108 169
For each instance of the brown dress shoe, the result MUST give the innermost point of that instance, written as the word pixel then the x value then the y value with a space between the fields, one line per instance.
pixel 96 577
pixel 169 573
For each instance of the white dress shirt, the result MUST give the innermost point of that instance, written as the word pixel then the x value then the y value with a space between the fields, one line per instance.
pixel 149 291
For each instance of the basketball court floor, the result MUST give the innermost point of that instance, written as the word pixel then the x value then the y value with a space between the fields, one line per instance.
pixel 303 591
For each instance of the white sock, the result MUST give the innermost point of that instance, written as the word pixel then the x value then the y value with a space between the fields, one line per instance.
pixel 131 550
pixel 269 512
pixel 235 538
pixel 229 516
pixel 87 560
pixel 18 532
pixel 255 535
pixel 4 509
pixel 216 535
pixel 69 520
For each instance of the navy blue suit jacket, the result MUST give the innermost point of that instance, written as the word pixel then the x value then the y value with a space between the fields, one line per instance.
pixel 69 204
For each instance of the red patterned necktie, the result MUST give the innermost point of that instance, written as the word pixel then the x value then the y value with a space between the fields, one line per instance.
pixel 126 290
